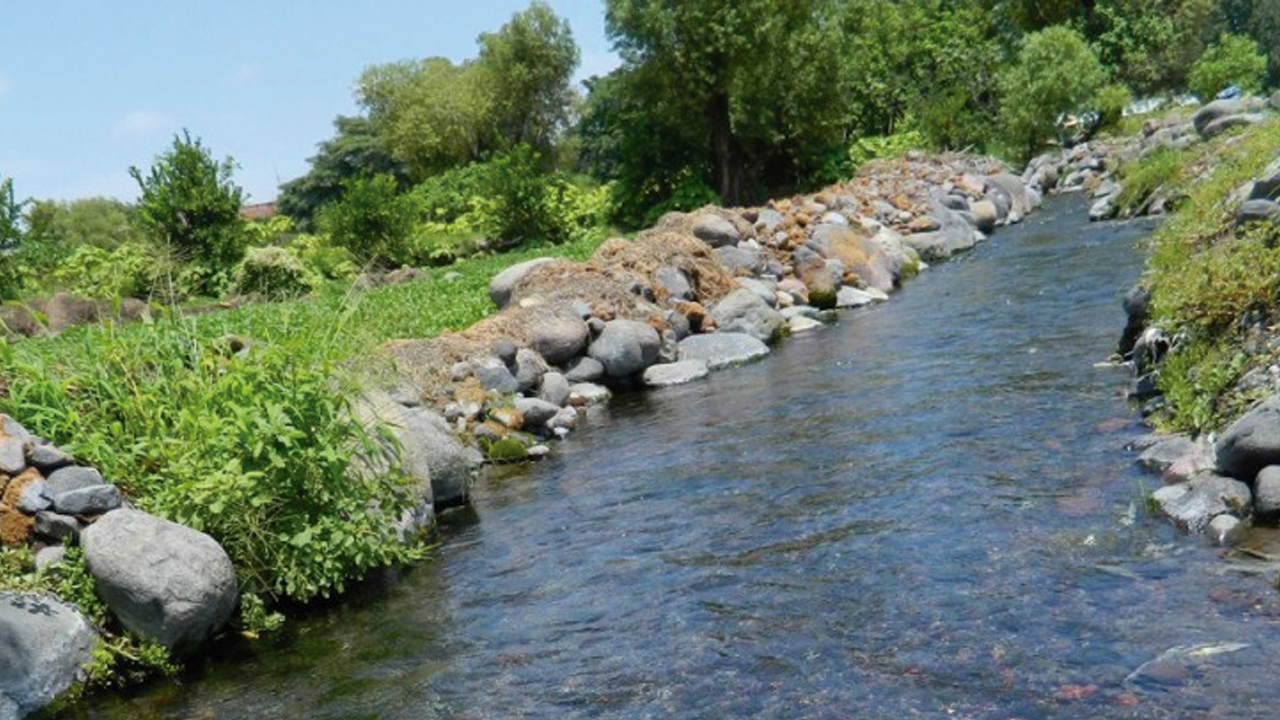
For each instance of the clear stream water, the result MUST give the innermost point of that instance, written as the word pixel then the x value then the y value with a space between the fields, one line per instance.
pixel 924 511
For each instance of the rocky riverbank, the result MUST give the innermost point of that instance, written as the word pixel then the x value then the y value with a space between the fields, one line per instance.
pixel 696 294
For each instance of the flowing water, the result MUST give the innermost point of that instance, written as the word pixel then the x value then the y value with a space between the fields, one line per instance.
pixel 923 511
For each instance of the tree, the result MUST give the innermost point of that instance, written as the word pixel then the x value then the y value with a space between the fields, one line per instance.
pixel 373 220
pixel 1056 73
pixel 1150 44
pixel 355 150
pixel 1233 60
pixel 525 69
pixel 12 276
pixel 190 203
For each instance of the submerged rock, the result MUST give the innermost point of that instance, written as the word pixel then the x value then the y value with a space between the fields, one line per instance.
pixel 1196 503
pixel 723 349
pixel 677 373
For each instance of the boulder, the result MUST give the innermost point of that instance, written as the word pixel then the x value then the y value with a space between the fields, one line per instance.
pixel 166 582
pixel 560 338
pixel 44 647
pixel 768 291
pixel 674 282
pixel 677 373
pixel 584 370
pixel 1267 187
pixel 589 393
pixel 851 297
pixel 504 283
pixel 529 369
pixel 740 260
pixel 1253 211
pixel 1227 530
pixel 1223 124
pixel 494 374
pixel 742 311
pixel 554 389
pixel 723 349
pixel 800 323
pixel 1165 451
pixel 1012 186
pixel 13 458
pixel 770 220
pixel 72 478
pixel 1251 443
pixel 715 230
pixel 536 413
pixel 625 347
pixel 984 215
pixel 1195 504
pixel 1104 209
pixel 1266 501
pixel 93 500
pixel 1219 110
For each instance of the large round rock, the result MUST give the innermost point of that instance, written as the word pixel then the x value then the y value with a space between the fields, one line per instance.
pixel 165 582
pixel 506 282
pixel 745 312
pixel 625 347
pixel 559 339
pixel 1252 442
pixel 44 647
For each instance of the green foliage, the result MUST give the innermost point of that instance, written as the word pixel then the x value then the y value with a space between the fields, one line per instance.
pixel 58 229
pixel 13 276
pixel 1056 73
pixel 449 196
pixel 275 273
pixel 356 150
pixel 517 204
pixel 1150 44
pixel 1160 170
pixel 127 271
pixel 1195 379
pixel 1111 100
pixel 866 149
pixel 325 260
pixel 373 221
pixel 1232 60
pixel 190 203
pixel 688 194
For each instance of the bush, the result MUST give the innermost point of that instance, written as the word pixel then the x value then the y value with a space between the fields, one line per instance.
pixel 13 276
pixel 516 201
pixel 1141 179
pixel 274 273
pixel 325 260
pixel 373 220
pixel 1110 101
pixel 1233 60
pixel 190 203
pixel 1056 73
pixel 866 149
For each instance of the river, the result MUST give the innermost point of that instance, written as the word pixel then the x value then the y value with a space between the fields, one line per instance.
pixel 923 511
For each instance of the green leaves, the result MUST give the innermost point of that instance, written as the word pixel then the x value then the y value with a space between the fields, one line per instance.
pixel 1232 60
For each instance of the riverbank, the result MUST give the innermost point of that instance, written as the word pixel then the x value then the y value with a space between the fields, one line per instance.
pixel 695 294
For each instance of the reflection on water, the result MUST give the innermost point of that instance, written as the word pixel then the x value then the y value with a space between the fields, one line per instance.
pixel 924 511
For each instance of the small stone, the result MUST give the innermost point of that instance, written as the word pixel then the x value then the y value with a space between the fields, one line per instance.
pixel 50 556
pixel 536 413
pixel 509 418
pixel 851 297
pixel 94 500
pixel 12 428
pixel 494 375
pixel 33 499
pixel 554 389
pixel 47 457
pixel 677 373
pixel 57 527
pixel 800 324
pixel 13 458
pixel 1228 530
pixel 537 452
pixel 584 370
pixel 505 350
pixel 565 419
pixel 590 393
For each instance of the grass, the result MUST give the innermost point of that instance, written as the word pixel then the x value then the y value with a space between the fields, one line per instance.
pixel 257 449
pixel 1213 282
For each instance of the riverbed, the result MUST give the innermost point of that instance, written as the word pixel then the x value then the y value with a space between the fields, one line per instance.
pixel 925 510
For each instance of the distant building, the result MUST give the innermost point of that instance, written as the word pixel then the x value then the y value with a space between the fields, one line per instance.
pixel 259 211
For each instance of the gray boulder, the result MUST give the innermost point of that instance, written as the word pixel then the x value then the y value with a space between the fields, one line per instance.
pixel 71 478
pixel 1012 186
pixel 47 458
pixel 559 339
pixel 768 291
pixel 1219 110
pixel 851 297
pixel 1223 124
pixel 93 500
pixel 722 349
pixel 590 393
pixel 677 373
pixel 1253 211
pixel 536 413
pixel 715 230
pixel 625 347
pixel 44 648
pixel 165 582
pixel 494 374
pixel 1194 504
pixel 1251 443
pixel 742 311
pixel 530 367
pixel 1165 451
pixel 554 389
pixel 674 282
pixel 1104 209
pixel 736 260
pixel 770 219
pixel 504 283
pixel 1266 501
pixel 13 458
pixel 1267 187
pixel 584 370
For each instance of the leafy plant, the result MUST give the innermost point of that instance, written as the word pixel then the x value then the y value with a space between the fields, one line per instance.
pixel 275 273
pixel 1110 101
pixel 127 271
pixel 12 274
pixel 1056 73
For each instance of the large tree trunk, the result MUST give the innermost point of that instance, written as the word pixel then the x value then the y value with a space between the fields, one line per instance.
pixel 731 176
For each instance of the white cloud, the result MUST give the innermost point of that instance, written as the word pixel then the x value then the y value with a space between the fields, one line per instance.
pixel 143 122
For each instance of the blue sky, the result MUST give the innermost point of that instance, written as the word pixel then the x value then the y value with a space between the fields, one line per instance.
pixel 89 88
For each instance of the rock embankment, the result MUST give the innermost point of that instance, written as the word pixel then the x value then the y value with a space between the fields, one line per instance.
pixel 695 294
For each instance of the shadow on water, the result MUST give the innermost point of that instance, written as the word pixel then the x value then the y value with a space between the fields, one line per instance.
pixel 924 511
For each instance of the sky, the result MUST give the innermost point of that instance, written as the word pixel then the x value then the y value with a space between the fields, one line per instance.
pixel 90 88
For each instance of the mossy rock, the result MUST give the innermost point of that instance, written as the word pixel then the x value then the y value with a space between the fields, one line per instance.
pixel 822 298
pixel 506 450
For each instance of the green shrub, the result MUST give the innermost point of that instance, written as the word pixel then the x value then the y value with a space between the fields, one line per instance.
pixel 1233 60
pixel 866 149
pixel 127 271
pixel 690 193
pixel 1110 101
pixel 323 259
pixel 275 273
pixel 190 203
pixel 516 204
pixel 13 275
pixel 373 220
pixel 1161 170
pixel 1056 73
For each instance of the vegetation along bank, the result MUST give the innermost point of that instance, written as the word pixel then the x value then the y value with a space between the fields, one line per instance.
pixel 260 413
